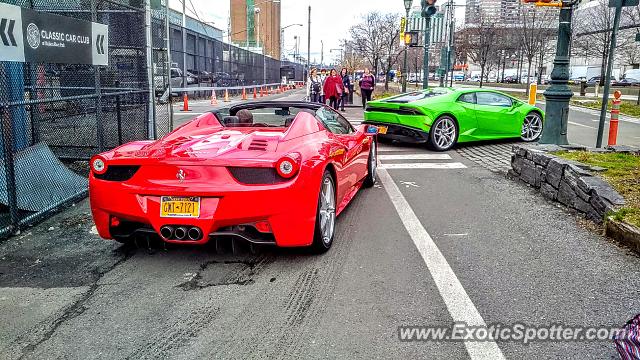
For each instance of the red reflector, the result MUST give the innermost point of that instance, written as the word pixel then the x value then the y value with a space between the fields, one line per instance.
pixel 263 226
pixel 115 222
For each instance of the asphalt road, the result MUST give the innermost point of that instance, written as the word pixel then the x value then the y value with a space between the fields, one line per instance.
pixel 439 239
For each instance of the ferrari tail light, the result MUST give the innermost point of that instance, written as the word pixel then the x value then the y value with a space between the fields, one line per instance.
pixel 288 166
pixel 98 165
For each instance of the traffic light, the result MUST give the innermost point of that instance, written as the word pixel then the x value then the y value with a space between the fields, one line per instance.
pixel 428 7
pixel 411 38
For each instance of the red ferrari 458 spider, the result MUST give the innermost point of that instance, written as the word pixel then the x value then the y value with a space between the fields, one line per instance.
pixel 266 172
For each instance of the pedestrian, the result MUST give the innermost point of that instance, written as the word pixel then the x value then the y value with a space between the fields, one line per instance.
pixel 323 78
pixel 314 86
pixel 333 88
pixel 346 82
pixel 367 85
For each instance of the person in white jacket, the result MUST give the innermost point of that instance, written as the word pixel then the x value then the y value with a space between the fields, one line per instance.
pixel 314 86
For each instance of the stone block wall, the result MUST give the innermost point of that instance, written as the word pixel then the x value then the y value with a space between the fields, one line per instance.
pixel 568 182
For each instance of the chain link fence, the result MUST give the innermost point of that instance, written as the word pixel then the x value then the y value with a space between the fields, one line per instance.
pixel 59 112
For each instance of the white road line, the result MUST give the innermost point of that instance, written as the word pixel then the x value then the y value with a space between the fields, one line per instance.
pixel 455 297
pixel 462 234
pixel 453 165
pixel 416 157
pixel 577 124
pixel 382 149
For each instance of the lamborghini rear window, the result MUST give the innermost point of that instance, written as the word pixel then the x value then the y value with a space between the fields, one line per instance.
pixel 417 95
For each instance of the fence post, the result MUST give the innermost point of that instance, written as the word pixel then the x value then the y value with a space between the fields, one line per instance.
pixel 9 168
pixel 96 70
pixel 118 114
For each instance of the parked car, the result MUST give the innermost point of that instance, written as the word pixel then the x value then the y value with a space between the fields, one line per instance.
pixel 160 80
pixel 510 79
pixel 627 81
pixel 277 180
pixel 202 76
pixel 448 116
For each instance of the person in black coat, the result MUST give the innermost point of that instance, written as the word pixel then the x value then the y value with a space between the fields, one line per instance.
pixel 346 81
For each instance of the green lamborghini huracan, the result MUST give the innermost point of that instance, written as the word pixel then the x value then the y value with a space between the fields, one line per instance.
pixel 442 117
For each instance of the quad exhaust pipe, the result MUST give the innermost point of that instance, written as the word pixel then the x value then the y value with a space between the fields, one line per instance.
pixel 183 233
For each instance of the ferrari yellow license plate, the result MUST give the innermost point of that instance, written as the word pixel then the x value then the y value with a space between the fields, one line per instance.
pixel 382 130
pixel 181 207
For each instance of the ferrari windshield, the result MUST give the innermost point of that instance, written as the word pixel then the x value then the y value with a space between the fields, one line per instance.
pixel 418 95
pixel 276 116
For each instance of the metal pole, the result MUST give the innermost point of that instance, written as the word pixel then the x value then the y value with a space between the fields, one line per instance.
pixel 309 44
pixel 151 129
pixel 607 80
pixel 167 24
pixel 559 93
pixel 425 62
pixel 185 84
pixel 451 34
pixel 406 50
pixel 99 124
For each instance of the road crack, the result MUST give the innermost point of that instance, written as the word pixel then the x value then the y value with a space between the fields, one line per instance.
pixel 70 312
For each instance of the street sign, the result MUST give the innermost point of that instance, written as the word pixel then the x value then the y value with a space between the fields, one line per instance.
pixel 616 3
pixel 32 36
pixel 403 26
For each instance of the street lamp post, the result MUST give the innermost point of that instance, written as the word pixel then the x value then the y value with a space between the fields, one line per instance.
pixel 341 54
pixel 282 39
pixel 558 94
pixel 407 7
pixel 428 9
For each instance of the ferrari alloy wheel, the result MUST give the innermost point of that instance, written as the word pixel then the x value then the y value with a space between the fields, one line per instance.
pixel 326 215
pixel 443 134
pixel 372 165
pixel 531 127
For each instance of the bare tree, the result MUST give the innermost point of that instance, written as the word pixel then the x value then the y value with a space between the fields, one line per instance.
pixel 593 35
pixel 367 40
pixel 537 26
pixel 377 38
pixel 479 42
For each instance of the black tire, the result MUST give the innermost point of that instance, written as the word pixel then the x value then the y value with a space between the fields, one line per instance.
pixel 535 134
pixel 433 143
pixel 322 243
pixel 372 165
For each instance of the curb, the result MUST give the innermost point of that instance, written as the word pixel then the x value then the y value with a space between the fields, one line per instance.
pixel 623 233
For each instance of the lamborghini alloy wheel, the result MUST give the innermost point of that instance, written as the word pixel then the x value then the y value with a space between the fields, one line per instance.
pixel 443 134
pixel 531 127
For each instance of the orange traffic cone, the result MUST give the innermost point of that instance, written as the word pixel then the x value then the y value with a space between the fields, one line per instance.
pixel 185 102
pixel 261 91
pixel 255 94
pixel 226 95
pixel 214 101
pixel 244 94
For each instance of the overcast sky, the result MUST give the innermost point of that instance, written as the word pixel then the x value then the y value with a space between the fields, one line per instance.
pixel 330 19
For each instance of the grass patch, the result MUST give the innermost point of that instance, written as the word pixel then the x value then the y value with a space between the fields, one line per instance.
pixel 626 107
pixel 623 173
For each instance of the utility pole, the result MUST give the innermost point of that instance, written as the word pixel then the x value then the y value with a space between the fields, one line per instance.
pixel 607 81
pixel 308 44
pixel 184 44
pixel 321 54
